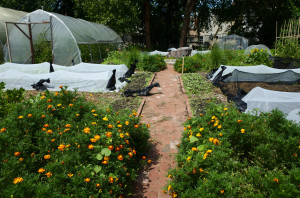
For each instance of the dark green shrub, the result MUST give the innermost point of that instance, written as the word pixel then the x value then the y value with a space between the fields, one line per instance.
pixel 152 63
pixel 257 57
pixel 226 153
pixel 191 64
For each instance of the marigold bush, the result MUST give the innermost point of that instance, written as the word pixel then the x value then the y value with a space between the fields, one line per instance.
pixel 58 145
pixel 226 153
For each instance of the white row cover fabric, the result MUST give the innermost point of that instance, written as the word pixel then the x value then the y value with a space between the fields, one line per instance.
pixel 234 42
pixel 199 52
pixel 265 100
pixel 158 52
pixel 85 77
pixel 257 69
pixel 67 33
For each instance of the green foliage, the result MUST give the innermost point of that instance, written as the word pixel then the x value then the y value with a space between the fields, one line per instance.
pixel 59 145
pixel 257 57
pixel 42 50
pixel 1 55
pixel 152 63
pixel 232 154
pixel 289 48
pixel 9 98
pixel 194 84
pixel 217 56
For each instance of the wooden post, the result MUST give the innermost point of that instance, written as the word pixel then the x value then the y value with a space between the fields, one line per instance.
pixel 182 64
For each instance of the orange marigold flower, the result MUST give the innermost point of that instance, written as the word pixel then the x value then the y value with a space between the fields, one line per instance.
pixel 239 121
pixel 49 100
pixel 91 146
pixel 130 154
pixel 70 174
pixel 119 125
pixel 149 161
pixel 70 105
pixel 97 137
pixel 41 170
pixel 120 157
pixel 127 123
pixel 216 142
pixel 43 116
pixel 20 117
pixel 44 129
pixel 94 123
pixel 29 115
pixel 2 130
pixel 194 171
pixel 49 131
pixel 21 159
pixel 121 146
pixel 106 158
pixel 211 139
pixel 61 147
pixel 201 170
pixel 194 149
pixel 61 86
pixel 98 185
pixel 17 153
pixel 220 134
pixel 68 125
pixel 18 180
pixel 87 180
pixel 46 125
pixel 109 126
pixel 127 141
pixel 32 154
pixel 121 135
pixel 77 114
pixel 148 125
pixel 242 130
pixel 108 134
pixel 144 157
pixel 42 97
pixel 136 126
pixel 104 162
pixel 111 180
pixel 93 140
pixel 117 149
pixel 198 135
pixel 49 174
pixel 86 130
pixel 276 180
pixel 47 157
pixel 222 191
pixel 111 147
pixel 134 152
pixel 49 106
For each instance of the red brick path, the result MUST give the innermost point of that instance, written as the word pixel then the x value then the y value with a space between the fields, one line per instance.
pixel 165 110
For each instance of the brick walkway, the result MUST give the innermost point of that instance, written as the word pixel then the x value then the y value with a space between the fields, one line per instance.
pixel 165 110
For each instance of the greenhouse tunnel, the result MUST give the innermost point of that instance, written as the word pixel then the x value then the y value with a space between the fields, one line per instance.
pixel 62 33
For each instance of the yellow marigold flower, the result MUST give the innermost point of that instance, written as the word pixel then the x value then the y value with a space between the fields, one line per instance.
pixel 198 135
pixel 2 130
pixel 56 93
pixel 42 97
pixel 87 180
pixel 94 123
pixel 111 147
pixel 194 149
pixel 93 140
pixel 61 147
pixel 49 131
pixel 47 157
pixel 213 117
pixel 109 126
pixel 17 153
pixel 66 130
pixel 208 151
pixel 149 161
pixel 188 159
pixel 98 185
pixel 201 129
pixel 52 140
pixel 119 125
pixel 91 146
pixel 169 176
pixel 276 180
pixel 70 174
pixel 127 123
pixel 216 142
pixel 169 187
pixel 201 170
pixel 41 170
pixel 59 105
pixel 239 121
pixel 127 134
pixel 104 162
pixel 205 155
pixel 20 117
pixel 21 159
pixel 49 174
pixel 86 130
pixel 95 114
pixel 130 154
pixel 18 180
pixel 68 146
pixel 121 135
pixel 108 134
pixel 220 126
pixel 211 139
pixel 97 137
pixel 120 157
pixel 105 119
pixel 68 125
pixel 111 180
pixel 134 152
pixel 148 125
pixel 46 125
pixel 251 51
pixel 29 115
pixel 222 191
pixel 70 105
pixel 174 195
pixel 77 114
pixel 242 130
pixel 225 109
pixel 220 134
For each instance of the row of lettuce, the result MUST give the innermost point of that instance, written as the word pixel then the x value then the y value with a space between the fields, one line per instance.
pixel 59 145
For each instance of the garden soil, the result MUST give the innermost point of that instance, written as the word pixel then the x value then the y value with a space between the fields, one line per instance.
pixel 165 110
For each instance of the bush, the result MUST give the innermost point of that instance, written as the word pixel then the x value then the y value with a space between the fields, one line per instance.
pixel 257 57
pixel 289 48
pixel 58 145
pixel 152 63
pixel 226 153
pixel 191 64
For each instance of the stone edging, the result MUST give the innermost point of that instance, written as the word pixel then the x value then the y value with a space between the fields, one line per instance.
pixel 188 108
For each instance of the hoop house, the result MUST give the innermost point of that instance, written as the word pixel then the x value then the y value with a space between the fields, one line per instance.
pixel 63 34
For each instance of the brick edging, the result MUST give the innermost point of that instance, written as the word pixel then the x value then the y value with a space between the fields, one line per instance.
pixel 188 108
pixel 181 85
pixel 152 79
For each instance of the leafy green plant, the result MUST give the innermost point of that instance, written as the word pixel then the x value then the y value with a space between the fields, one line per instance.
pixel 152 63
pixel 42 49
pixel 191 65
pixel 226 153
pixel 257 57
pixel 289 48
pixel 57 144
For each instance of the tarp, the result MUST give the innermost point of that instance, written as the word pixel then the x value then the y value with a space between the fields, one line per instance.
pixel 155 52
pixel 266 100
pixel 199 52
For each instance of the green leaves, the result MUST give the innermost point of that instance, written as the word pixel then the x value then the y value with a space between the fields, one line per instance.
pixel 106 152
pixel 97 169
pixel 193 139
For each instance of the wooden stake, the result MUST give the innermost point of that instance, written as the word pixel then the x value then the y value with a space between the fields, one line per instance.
pixel 182 64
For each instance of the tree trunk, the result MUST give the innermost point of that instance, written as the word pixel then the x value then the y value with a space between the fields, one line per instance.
pixel 147 23
pixel 186 21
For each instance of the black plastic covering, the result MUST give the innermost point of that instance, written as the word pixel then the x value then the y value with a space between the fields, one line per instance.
pixel 111 85
pixel 285 63
pixel 129 73
pixel 141 92
pixel 39 86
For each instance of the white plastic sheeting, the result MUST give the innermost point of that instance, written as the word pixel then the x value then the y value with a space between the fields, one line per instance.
pixel 83 77
pixel 199 52
pixel 158 52
pixel 257 69
pixel 234 42
pixel 265 100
